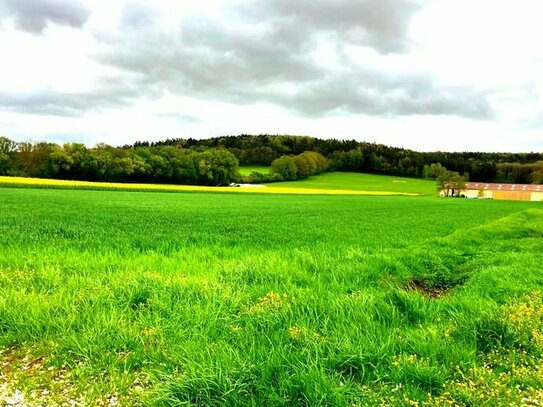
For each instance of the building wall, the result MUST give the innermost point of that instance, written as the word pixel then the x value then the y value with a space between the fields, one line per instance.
pixel 487 194
pixel 513 195
pixel 505 195
pixel 474 193
pixel 470 193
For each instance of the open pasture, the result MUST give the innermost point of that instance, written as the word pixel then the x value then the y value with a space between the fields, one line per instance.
pixel 133 298
pixel 23 182
pixel 360 181
pixel 248 169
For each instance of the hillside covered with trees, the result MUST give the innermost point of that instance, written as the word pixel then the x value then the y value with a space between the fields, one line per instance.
pixel 215 161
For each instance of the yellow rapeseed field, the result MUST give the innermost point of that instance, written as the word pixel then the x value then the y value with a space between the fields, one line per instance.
pixel 65 184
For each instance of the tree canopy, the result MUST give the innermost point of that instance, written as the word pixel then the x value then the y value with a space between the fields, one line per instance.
pixel 215 161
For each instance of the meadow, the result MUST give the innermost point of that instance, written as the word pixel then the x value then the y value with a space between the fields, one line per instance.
pixel 25 182
pixel 248 169
pixel 359 181
pixel 162 299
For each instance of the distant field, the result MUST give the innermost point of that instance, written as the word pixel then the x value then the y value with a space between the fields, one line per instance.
pixel 246 170
pixel 21 182
pixel 366 182
pixel 207 299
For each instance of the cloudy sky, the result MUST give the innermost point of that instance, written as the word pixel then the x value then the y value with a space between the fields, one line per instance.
pixel 424 74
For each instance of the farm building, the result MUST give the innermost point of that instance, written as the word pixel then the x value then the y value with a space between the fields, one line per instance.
pixel 517 192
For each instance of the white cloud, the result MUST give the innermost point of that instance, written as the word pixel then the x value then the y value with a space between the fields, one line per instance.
pixel 436 74
pixel 34 16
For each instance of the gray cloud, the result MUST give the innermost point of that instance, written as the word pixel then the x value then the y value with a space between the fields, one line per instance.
pixel 381 24
pixel 348 95
pixel 34 15
pixel 263 51
pixel 107 94
pixel 138 14
pixel 268 54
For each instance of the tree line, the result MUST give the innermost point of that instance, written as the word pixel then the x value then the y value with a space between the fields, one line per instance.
pixel 290 168
pixel 449 183
pixel 215 161
pixel 74 161
pixel 164 163
pixel 352 155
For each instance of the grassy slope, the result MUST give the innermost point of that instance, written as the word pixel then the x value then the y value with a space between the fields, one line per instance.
pixel 20 182
pixel 366 182
pixel 216 299
pixel 246 170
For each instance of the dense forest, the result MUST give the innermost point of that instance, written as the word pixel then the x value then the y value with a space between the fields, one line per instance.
pixel 215 161
pixel 352 155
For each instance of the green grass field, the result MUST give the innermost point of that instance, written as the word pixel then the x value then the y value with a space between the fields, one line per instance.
pixel 365 182
pixel 159 299
pixel 247 170
pixel 45 183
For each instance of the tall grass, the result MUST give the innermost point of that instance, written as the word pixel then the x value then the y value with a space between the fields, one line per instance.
pixel 215 299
